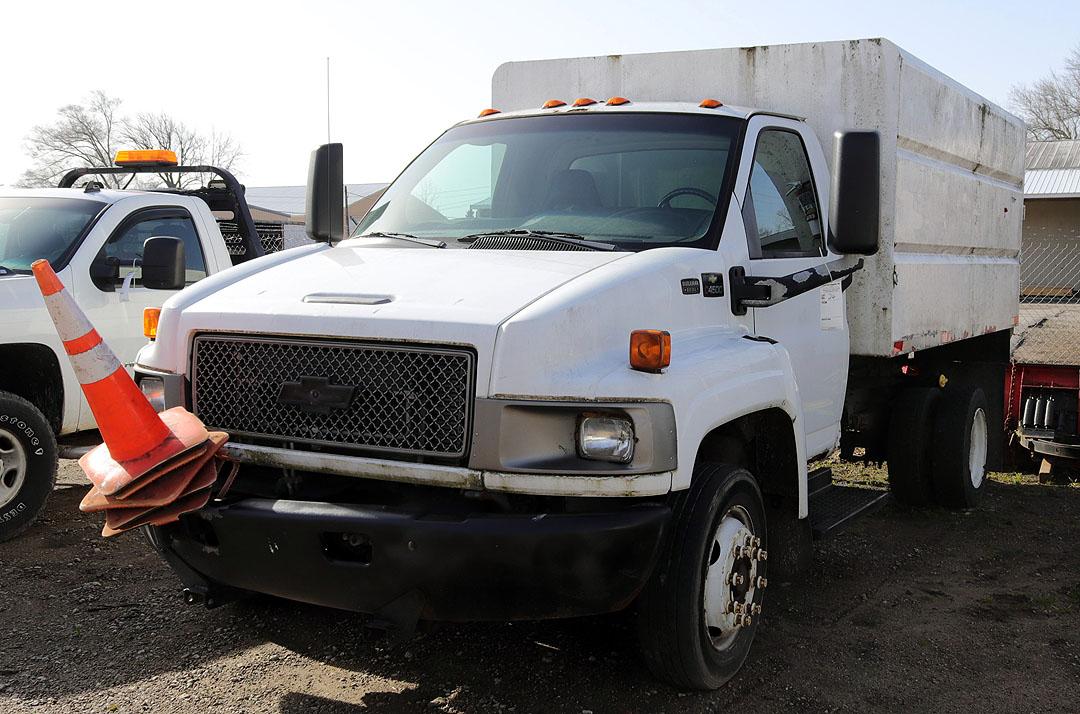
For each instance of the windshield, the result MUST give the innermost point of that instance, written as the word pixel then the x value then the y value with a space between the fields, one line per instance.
pixel 635 180
pixel 32 228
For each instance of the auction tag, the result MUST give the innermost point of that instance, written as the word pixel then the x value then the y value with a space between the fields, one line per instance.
pixel 832 306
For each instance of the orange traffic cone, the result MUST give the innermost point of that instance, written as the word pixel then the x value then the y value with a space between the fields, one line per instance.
pixel 136 438
pixel 165 461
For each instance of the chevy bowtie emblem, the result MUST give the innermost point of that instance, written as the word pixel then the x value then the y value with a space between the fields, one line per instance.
pixel 316 395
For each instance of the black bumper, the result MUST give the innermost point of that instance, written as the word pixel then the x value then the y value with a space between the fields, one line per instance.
pixel 403 565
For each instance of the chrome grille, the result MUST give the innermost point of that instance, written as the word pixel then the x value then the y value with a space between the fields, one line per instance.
pixel 411 400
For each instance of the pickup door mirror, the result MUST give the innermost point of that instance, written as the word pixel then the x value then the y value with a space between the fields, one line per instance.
pixel 163 263
pixel 855 204
pixel 325 219
pixel 105 272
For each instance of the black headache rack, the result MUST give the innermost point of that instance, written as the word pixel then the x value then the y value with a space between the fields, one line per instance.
pixel 226 195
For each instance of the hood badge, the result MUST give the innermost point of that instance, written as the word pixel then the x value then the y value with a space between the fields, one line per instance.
pixel 315 395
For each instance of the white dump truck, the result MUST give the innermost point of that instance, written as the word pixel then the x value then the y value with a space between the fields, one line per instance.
pixel 579 355
pixel 94 237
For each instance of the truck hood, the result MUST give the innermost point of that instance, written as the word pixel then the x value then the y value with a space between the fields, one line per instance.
pixel 458 296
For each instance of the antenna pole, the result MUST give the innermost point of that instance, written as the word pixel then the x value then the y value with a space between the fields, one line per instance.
pixel 327 100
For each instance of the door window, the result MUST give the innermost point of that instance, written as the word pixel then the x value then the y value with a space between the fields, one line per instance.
pixel 782 212
pixel 124 249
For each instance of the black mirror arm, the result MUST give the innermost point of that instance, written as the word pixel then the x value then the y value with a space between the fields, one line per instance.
pixel 759 291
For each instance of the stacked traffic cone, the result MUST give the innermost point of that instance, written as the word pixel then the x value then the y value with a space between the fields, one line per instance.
pixel 152 467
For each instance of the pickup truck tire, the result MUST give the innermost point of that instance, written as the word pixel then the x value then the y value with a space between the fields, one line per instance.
pixel 911 434
pixel 679 645
pixel 961 438
pixel 27 464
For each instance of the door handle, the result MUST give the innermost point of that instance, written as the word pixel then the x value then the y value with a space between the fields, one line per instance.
pixel 760 291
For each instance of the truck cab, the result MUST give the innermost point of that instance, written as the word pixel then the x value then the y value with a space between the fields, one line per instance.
pixel 579 355
pixel 94 238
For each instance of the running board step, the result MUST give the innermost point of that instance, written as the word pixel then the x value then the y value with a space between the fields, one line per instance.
pixel 833 507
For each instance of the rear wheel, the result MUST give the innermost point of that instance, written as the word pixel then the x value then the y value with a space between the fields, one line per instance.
pixel 961 444
pixel 27 464
pixel 911 434
pixel 699 612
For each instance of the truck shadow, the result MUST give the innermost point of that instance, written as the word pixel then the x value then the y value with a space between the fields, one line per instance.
pixel 881 599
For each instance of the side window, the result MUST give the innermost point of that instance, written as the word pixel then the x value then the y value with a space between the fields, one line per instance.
pixel 125 247
pixel 784 220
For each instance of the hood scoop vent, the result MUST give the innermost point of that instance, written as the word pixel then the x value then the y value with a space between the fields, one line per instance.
pixel 348 298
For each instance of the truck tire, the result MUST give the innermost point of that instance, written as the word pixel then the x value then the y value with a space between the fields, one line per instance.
pixel 961 442
pixel 911 435
pixel 27 464
pixel 688 637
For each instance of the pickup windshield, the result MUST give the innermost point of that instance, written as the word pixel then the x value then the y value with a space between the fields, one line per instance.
pixel 635 180
pixel 32 228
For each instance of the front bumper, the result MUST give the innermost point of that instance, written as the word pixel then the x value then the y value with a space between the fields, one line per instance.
pixel 406 565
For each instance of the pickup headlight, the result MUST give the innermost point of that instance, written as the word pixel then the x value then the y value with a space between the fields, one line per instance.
pixel 153 388
pixel 606 438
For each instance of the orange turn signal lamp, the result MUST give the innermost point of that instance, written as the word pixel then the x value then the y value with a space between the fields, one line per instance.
pixel 584 102
pixel 489 112
pixel 617 101
pixel 650 350
pixel 155 157
pixel 710 103
pixel 552 103
pixel 150 317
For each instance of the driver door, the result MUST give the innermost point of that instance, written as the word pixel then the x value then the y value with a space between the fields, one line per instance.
pixel 786 229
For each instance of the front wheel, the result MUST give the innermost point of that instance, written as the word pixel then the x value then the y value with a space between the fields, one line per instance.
pixel 699 612
pixel 27 464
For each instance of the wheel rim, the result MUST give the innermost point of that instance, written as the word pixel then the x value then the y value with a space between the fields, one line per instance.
pixel 731 577
pixel 977 452
pixel 12 466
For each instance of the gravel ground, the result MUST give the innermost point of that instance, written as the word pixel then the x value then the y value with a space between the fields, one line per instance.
pixel 907 611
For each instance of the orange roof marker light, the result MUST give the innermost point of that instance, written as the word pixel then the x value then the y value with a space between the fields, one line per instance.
pixel 153 157
pixel 710 103
pixel 650 350
pixel 617 101
pixel 150 318
pixel 489 112
pixel 584 102
pixel 552 103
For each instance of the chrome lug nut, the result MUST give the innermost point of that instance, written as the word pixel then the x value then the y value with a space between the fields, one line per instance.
pixel 755 609
pixel 762 554
pixel 737 579
pixel 762 582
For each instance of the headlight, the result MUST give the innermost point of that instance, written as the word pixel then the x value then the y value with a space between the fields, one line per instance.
pixel 606 438
pixel 153 389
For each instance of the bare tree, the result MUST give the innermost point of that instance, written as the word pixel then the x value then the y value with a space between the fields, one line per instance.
pixel 89 134
pixel 161 131
pixel 1051 105
pixel 82 135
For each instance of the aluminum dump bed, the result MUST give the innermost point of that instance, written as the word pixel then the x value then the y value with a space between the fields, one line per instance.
pixel 952 166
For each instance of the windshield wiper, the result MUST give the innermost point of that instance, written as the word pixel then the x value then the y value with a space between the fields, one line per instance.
pixel 4 270
pixel 429 242
pixel 545 236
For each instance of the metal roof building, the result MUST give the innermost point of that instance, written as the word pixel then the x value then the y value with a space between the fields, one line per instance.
pixel 1052 169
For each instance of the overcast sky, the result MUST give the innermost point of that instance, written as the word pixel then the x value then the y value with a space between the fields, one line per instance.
pixel 403 71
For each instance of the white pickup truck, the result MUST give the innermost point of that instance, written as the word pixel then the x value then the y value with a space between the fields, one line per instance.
pixel 580 353
pixel 94 239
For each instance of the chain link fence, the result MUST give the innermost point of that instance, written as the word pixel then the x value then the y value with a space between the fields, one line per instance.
pixel 1049 329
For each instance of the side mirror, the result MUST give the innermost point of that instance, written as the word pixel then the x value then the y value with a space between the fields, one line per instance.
pixel 325 219
pixel 163 263
pixel 854 206
pixel 105 273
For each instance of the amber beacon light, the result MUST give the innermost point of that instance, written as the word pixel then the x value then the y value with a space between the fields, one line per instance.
pixel 650 350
